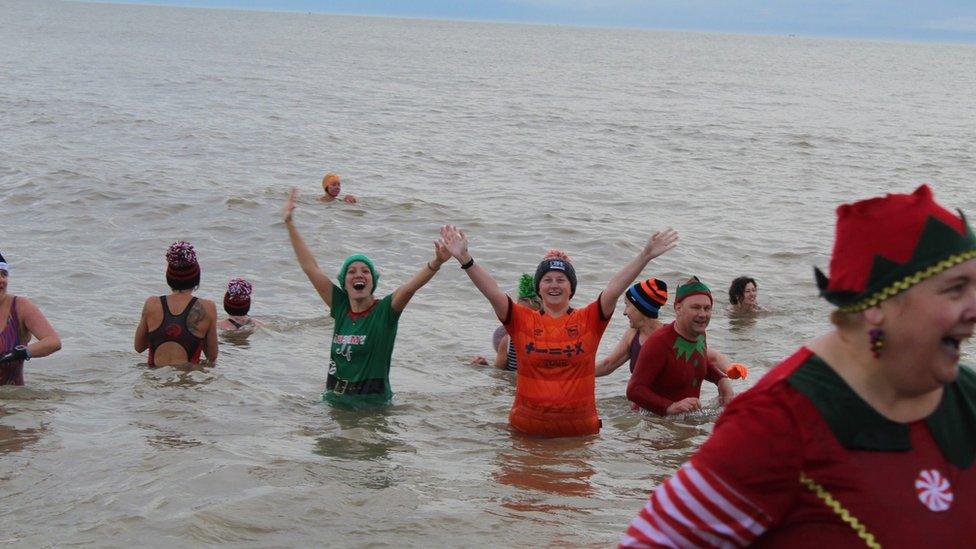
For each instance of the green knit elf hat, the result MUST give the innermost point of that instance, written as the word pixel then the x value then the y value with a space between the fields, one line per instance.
pixel 693 286
pixel 886 245
pixel 526 288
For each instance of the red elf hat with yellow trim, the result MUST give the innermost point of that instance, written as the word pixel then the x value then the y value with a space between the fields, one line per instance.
pixel 883 246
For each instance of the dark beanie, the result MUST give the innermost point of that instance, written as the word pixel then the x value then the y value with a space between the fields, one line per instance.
pixel 648 296
pixel 556 264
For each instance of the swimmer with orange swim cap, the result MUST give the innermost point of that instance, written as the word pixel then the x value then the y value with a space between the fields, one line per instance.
pixel 331 187
pixel 556 347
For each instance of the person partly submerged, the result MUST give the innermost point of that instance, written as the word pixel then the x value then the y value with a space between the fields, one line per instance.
pixel 555 390
pixel 237 304
pixel 22 321
pixel 178 327
pixel 331 189
pixel 865 436
pixel 365 327
pixel 674 361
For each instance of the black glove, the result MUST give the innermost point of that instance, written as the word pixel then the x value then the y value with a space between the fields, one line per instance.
pixel 19 352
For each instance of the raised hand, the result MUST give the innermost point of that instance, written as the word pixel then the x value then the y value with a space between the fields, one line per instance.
pixel 454 240
pixel 441 251
pixel 289 207
pixel 660 242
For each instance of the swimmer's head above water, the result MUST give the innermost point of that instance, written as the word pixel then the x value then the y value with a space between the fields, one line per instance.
pixel 237 298
pixel 331 184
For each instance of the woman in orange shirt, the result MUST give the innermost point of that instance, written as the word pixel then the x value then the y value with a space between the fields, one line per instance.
pixel 555 391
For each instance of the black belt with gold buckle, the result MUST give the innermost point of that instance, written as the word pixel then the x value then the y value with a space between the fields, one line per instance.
pixel 364 387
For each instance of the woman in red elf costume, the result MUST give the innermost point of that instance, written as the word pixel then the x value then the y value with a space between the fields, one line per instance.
pixel 867 434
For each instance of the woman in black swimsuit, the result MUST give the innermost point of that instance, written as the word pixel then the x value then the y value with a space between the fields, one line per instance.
pixel 177 327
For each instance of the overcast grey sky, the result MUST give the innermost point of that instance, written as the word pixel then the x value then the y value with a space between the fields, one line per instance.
pixel 935 20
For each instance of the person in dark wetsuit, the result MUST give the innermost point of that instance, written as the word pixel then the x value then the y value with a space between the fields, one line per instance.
pixel 21 320
pixel 177 327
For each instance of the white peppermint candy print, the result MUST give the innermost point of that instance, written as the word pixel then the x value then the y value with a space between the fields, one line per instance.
pixel 933 490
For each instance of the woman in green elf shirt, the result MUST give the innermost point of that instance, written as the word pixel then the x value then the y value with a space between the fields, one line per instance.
pixel 365 327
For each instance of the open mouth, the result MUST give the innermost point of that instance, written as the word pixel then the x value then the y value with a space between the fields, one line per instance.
pixel 359 285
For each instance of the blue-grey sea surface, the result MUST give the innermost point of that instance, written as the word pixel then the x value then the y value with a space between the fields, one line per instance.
pixel 125 128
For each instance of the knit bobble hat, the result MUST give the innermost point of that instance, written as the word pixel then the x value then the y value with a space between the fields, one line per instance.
pixel 182 269
pixel 648 296
pixel 237 299
pixel 556 260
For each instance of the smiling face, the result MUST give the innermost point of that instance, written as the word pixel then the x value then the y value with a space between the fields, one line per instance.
pixel 925 326
pixel 692 315
pixel 332 187
pixel 359 280
pixel 749 294
pixel 555 290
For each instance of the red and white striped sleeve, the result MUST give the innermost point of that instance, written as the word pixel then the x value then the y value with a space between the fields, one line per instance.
pixel 695 508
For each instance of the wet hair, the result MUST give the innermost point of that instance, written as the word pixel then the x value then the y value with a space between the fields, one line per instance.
pixel 738 288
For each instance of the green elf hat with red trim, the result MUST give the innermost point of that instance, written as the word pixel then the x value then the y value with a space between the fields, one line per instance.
pixel 886 245
pixel 692 287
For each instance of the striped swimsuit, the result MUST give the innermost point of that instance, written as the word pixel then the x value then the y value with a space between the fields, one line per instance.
pixel 11 373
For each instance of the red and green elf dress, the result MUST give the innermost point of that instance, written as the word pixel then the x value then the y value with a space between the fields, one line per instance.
pixel 802 461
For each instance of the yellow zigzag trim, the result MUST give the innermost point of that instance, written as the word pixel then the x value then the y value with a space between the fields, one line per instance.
pixel 909 281
pixel 840 511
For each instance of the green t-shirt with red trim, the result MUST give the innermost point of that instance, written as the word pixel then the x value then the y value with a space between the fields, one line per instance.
pixel 362 348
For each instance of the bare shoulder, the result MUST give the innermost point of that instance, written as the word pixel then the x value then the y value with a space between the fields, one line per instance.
pixel 208 305
pixel 26 307
pixel 202 315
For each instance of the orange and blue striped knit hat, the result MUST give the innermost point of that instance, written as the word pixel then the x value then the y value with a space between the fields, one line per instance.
pixel 648 296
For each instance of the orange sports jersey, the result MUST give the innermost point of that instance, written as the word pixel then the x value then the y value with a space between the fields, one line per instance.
pixel 555 391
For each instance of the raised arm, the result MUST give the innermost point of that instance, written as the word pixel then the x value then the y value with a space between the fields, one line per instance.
pixel 617 356
pixel 659 243
pixel 306 260
pixel 403 294
pixel 457 244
